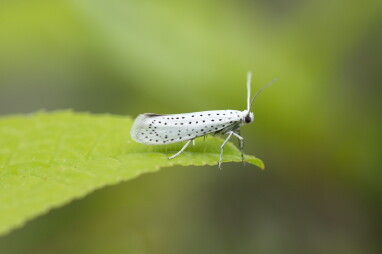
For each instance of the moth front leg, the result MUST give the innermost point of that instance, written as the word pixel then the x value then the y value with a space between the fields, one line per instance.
pixel 241 144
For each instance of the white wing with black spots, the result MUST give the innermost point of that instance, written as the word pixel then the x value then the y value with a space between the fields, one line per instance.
pixel 154 129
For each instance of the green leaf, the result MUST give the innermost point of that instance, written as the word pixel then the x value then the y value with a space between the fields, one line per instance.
pixel 49 159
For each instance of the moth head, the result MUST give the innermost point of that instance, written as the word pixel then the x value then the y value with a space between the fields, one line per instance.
pixel 248 118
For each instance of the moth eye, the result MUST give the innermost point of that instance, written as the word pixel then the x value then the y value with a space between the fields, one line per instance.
pixel 247 119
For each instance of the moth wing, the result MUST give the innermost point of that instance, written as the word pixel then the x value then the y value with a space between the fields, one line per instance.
pixel 141 125
pixel 154 129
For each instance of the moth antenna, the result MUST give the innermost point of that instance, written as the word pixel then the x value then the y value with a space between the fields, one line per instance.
pixel 261 89
pixel 249 77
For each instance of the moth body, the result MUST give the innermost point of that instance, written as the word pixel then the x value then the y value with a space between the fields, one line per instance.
pixel 155 129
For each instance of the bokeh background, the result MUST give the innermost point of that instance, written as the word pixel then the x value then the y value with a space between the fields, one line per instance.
pixel 318 129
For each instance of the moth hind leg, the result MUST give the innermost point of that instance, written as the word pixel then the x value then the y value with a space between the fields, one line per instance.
pixel 181 150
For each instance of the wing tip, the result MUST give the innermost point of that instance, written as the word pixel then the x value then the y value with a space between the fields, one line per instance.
pixel 139 124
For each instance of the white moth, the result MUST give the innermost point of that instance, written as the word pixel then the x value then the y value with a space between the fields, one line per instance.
pixel 154 129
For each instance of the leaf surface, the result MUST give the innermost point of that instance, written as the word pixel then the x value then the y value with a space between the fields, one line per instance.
pixel 49 159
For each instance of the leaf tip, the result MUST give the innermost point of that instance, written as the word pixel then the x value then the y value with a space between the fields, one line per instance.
pixel 255 161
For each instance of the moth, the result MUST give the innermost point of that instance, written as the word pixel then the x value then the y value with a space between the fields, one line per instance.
pixel 155 129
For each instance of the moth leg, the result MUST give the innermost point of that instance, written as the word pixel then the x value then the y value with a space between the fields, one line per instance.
pixel 241 144
pixel 222 148
pixel 181 150
pixel 193 142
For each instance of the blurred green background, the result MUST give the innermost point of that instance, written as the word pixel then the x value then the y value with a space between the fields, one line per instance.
pixel 317 129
